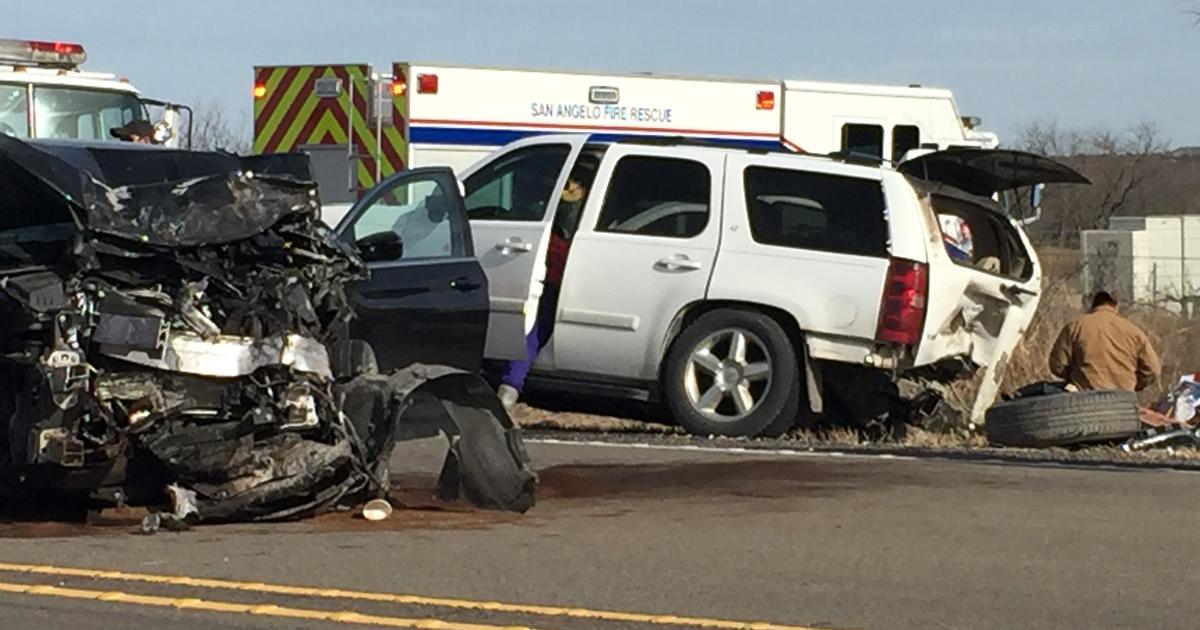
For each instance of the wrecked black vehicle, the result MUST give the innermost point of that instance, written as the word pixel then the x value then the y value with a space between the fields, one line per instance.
pixel 177 330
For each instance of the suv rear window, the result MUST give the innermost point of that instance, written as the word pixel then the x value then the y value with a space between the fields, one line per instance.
pixel 654 196
pixel 806 210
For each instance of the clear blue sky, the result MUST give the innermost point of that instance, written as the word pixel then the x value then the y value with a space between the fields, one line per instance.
pixel 1083 62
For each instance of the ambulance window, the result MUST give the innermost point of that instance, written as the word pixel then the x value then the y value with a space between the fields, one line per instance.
pixel 805 210
pixel 904 139
pixel 516 186
pixel 863 139
pixel 652 196
pixel 14 111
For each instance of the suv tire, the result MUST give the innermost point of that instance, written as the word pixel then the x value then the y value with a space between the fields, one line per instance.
pixel 1064 419
pixel 733 373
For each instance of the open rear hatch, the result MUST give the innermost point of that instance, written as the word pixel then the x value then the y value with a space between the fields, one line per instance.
pixel 986 172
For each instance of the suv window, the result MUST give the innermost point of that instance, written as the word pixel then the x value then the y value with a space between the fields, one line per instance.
pixel 904 139
pixel 808 210
pixel 14 110
pixel 863 139
pixel 977 237
pixel 516 186
pixel 655 196
pixel 424 216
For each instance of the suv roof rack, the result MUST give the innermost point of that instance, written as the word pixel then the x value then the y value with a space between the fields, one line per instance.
pixel 848 157
pixel 673 141
pixel 856 157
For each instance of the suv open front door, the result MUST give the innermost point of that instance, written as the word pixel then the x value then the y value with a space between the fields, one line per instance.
pixel 509 197
pixel 412 232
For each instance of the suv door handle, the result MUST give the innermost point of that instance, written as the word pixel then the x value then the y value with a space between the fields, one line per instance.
pixel 678 262
pixel 514 245
pixel 1017 289
pixel 464 284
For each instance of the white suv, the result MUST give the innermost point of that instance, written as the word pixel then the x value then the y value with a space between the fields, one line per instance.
pixel 746 287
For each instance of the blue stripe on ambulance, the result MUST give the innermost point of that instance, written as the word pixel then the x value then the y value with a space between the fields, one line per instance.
pixel 421 134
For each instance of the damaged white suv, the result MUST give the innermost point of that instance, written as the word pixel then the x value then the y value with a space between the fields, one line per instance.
pixel 748 287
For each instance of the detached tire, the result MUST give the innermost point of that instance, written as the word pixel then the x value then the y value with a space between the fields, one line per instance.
pixel 1064 419
pixel 713 388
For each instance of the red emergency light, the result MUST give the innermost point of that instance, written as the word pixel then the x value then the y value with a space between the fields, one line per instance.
pixel 61 48
pixel 765 100
pixel 260 90
pixel 53 54
pixel 427 84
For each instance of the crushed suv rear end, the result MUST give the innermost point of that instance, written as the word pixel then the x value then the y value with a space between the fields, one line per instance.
pixel 984 277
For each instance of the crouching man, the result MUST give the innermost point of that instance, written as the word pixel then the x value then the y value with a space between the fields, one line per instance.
pixel 1103 350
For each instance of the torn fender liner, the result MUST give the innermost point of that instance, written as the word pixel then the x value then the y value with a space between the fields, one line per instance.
pixel 487 463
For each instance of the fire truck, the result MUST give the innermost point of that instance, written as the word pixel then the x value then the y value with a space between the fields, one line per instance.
pixel 44 94
pixel 358 126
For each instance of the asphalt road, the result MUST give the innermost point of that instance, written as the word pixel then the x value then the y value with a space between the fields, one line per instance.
pixel 623 537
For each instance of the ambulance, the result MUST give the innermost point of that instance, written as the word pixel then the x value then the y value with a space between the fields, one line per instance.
pixel 44 94
pixel 359 127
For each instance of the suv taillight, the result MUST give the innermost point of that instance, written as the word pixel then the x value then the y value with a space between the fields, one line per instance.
pixel 903 314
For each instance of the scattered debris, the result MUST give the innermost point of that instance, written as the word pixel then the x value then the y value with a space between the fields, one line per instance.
pixel 1173 420
pixel 377 510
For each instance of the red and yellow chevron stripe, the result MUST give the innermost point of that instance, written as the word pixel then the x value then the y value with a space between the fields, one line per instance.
pixel 289 115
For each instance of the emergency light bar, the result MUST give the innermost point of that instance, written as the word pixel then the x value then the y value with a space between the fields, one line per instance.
pixel 50 54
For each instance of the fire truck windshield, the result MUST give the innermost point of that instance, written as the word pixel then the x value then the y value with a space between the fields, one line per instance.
pixel 14 110
pixel 80 113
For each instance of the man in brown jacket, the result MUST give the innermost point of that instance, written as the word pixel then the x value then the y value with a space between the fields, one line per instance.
pixel 1103 350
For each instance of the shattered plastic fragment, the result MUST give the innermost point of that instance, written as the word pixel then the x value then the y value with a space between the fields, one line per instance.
pixel 377 510
pixel 183 502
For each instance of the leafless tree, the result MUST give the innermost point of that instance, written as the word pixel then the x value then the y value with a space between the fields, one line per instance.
pixel 1120 164
pixel 214 128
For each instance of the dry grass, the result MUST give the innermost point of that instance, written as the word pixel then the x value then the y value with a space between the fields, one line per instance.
pixel 528 417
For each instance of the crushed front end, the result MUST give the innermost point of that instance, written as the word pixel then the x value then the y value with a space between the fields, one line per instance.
pixel 173 332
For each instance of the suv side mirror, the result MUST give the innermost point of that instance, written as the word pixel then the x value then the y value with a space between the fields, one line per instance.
pixel 380 247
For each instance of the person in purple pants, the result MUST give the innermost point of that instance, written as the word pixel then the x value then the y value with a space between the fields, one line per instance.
pixel 566 220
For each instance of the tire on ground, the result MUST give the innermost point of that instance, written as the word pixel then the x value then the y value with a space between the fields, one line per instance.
pixel 780 407
pixel 1064 419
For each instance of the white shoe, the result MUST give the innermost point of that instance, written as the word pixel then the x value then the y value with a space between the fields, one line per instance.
pixel 508 396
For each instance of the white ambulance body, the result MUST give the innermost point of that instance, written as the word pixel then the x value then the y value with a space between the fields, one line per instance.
pixel 878 120
pixel 44 94
pixel 459 114
pixel 448 115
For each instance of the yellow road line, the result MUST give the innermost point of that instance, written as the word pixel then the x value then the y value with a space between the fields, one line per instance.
pixel 265 610
pixel 410 600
